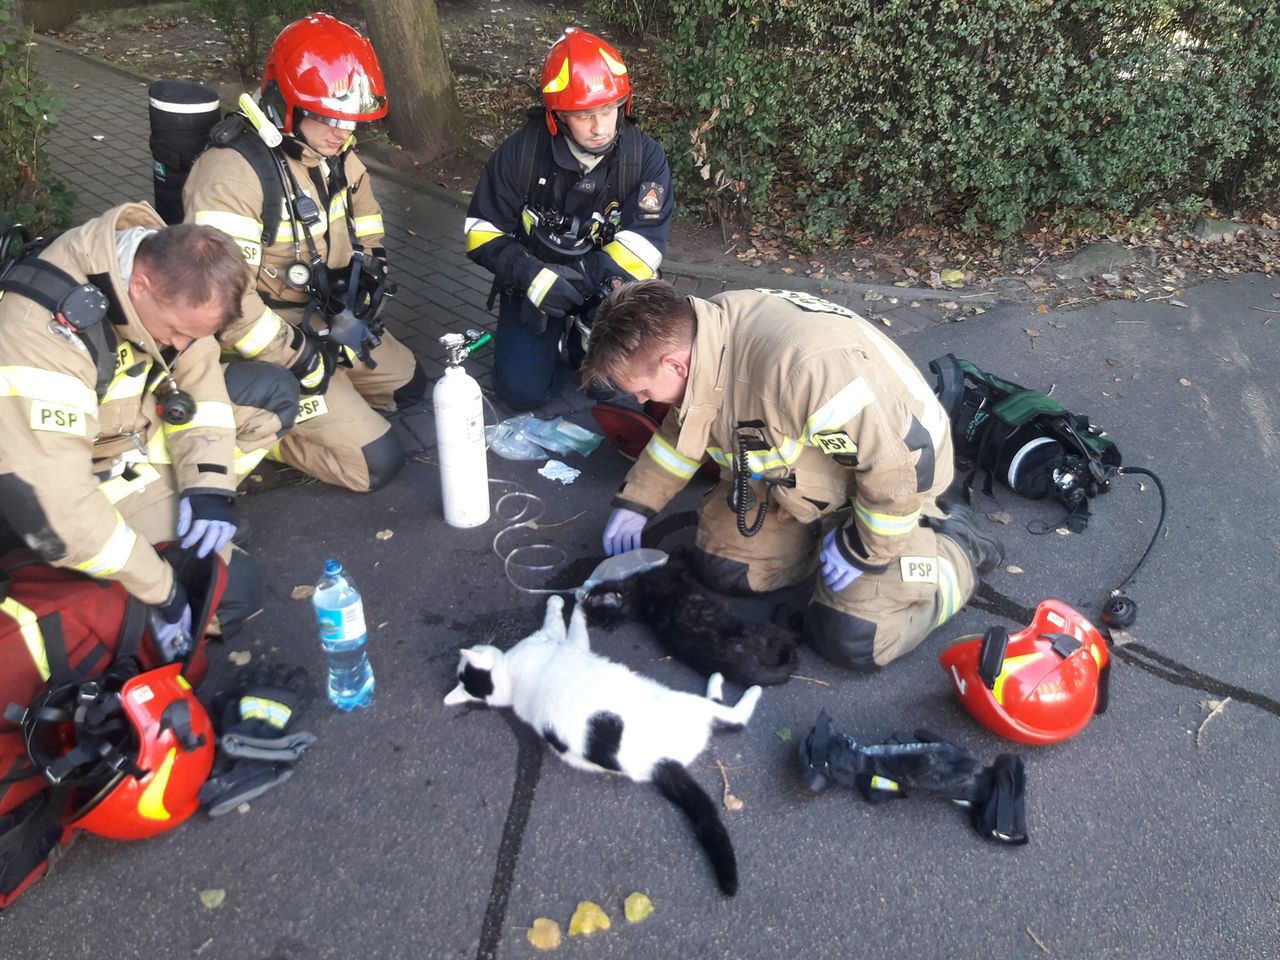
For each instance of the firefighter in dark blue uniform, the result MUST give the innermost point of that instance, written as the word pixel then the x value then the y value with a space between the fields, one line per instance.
pixel 575 202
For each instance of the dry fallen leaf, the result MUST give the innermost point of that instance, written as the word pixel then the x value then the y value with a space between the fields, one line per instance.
pixel 1000 517
pixel 1062 532
pixel 1178 303
pixel 1184 381
pixel 239 657
pixel 952 278
pixel 544 934
pixel 587 919
pixel 385 534
pixel 1011 568
pixel 1041 308
pixel 303 591
pixel 1031 333
pixel 212 899
pixel 637 907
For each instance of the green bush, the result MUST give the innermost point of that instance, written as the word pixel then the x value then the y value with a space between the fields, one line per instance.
pixel 250 26
pixel 29 192
pixel 835 115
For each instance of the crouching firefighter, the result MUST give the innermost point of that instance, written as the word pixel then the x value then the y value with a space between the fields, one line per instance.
pixel 573 203
pixel 282 179
pixel 121 428
pixel 832 450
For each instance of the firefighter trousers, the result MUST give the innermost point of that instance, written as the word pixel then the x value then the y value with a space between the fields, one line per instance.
pixel 340 437
pixel 871 622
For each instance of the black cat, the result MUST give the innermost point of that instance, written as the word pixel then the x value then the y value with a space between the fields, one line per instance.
pixel 695 626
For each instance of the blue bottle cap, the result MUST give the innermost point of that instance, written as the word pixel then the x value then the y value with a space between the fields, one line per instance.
pixel 332 567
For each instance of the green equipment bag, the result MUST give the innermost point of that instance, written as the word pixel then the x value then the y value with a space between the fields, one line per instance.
pixel 1025 438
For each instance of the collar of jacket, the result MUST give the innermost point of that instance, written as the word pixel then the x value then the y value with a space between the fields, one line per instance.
pixel 298 149
pixel 710 368
pixel 90 250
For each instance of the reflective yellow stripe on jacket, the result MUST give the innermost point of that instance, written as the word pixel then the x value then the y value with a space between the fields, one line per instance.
pixel 634 254
pixel 32 383
pixel 669 459
pixel 260 335
pixel 479 232
pixel 114 554
pixel 885 524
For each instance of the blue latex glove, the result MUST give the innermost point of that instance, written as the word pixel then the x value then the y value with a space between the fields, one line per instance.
pixel 212 535
pixel 836 570
pixel 622 532
pixel 173 639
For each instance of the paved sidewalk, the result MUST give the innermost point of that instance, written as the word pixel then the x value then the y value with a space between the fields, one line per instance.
pixel 101 149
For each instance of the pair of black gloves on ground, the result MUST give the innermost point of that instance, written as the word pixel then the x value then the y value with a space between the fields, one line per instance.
pixel 258 742
pixel 923 763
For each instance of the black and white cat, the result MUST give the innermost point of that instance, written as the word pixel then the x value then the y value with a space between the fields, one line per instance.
pixel 599 715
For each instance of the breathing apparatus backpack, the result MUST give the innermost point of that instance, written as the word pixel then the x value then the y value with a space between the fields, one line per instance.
pixel 1025 438
pixel 60 632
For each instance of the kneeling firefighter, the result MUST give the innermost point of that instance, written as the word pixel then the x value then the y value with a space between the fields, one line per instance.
pixel 289 189
pixel 575 201
pixel 832 449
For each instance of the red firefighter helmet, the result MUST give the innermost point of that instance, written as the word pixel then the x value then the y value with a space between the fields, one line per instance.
pixel 1042 684
pixel 321 68
pixel 136 748
pixel 582 72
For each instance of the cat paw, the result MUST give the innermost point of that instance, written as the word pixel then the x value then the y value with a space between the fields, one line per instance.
pixel 747 704
pixel 715 687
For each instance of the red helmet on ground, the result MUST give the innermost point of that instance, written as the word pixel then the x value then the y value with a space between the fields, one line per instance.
pixel 134 747
pixel 321 68
pixel 582 72
pixel 1042 684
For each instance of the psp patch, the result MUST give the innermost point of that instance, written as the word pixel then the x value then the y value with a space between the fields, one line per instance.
pixel 58 418
pixel 311 407
pixel 836 442
pixel 919 569
pixel 651 196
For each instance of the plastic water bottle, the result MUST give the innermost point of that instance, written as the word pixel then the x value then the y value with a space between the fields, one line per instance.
pixel 340 616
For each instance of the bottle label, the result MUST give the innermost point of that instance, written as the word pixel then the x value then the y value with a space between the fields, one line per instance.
pixel 341 625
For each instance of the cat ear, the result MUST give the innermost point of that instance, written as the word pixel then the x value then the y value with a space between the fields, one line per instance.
pixel 457 695
pixel 479 657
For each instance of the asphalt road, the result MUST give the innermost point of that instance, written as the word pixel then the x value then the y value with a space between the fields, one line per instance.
pixel 415 830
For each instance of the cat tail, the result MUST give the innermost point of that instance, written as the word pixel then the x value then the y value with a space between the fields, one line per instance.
pixel 676 785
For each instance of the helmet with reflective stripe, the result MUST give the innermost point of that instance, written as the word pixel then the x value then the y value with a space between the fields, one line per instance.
pixel 321 68
pixel 1040 685
pixel 582 72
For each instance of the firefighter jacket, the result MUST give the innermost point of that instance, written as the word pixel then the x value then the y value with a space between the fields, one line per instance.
pixel 69 455
pixel 822 400
pixel 629 190
pixel 224 192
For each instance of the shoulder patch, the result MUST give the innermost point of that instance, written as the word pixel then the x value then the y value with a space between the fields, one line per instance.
pixel 651 194
pixel 58 418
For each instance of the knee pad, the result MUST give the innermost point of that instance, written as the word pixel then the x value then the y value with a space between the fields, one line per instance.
pixel 414 390
pixel 721 573
pixel 243 595
pixel 383 459
pixel 264 386
pixel 842 638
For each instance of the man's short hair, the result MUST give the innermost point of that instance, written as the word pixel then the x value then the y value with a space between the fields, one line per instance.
pixel 637 325
pixel 193 264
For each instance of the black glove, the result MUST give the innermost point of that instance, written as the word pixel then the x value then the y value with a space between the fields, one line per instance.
pixel 317 362
pixel 553 291
pixel 255 750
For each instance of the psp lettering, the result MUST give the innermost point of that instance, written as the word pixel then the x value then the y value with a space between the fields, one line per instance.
pixel 63 419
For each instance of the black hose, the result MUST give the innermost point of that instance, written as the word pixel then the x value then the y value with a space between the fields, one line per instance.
pixel 741 474
pixel 1164 506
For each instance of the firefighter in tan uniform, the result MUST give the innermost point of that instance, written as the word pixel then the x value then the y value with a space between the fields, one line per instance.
pixel 819 424
pixel 120 429
pixel 320 280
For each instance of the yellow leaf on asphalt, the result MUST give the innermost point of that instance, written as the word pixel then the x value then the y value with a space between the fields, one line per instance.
pixel 212 899
pixel 587 919
pixel 952 278
pixel 385 534
pixel 637 907
pixel 302 591
pixel 544 934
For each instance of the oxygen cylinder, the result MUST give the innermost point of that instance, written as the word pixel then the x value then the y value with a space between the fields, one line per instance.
pixel 464 472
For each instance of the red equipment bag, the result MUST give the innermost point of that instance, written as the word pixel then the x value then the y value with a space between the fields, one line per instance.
pixel 58 626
